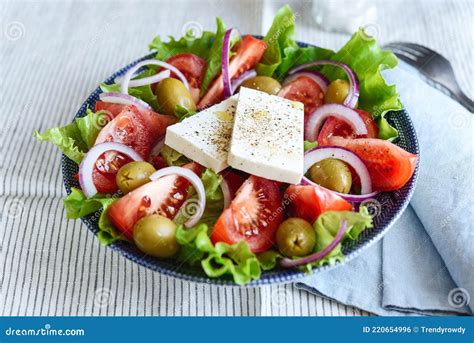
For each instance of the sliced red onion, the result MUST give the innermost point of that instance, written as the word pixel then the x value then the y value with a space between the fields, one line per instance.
pixel 226 192
pixel 197 184
pixel 317 77
pixel 86 168
pixel 123 99
pixel 357 198
pixel 132 70
pixel 288 262
pixel 317 117
pixel 321 153
pixel 354 87
pixel 230 33
pixel 245 76
pixel 146 80
pixel 160 143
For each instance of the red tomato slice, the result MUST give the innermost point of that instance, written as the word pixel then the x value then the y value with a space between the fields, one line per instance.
pixel 247 54
pixel 306 91
pixel 234 179
pixel 157 123
pixel 390 166
pixel 192 66
pixel 338 127
pixel 254 215
pixel 164 196
pixel 308 202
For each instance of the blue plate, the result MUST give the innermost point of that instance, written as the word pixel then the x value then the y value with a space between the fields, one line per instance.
pixel 386 209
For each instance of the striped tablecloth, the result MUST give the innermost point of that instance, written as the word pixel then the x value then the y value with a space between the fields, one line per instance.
pixel 53 54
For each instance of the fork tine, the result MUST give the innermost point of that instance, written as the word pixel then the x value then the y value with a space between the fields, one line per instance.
pixel 403 54
pixel 420 48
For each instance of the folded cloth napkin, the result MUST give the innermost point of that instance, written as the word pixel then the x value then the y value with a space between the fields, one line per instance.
pixel 424 264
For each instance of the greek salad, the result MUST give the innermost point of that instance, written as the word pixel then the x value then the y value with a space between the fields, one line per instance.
pixel 237 154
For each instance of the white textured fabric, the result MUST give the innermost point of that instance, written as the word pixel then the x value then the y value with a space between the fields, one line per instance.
pixel 53 54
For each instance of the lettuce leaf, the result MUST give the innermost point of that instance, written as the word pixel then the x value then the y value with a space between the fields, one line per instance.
pixel 326 227
pixel 283 53
pixel 235 260
pixel 173 157
pixel 214 60
pixel 368 60
pixel 214 199
pixel 78 206
pixel 199 46
pixel 308 145
pixel 75 139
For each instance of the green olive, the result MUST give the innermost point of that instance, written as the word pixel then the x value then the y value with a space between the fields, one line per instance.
pixel 337 92
pixel 295 237
pixel 333 174
pixel 156 236
pixel 170 93
pixel 133 175
pixel 263 83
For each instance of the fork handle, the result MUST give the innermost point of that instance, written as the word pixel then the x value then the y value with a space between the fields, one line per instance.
pixel 465 101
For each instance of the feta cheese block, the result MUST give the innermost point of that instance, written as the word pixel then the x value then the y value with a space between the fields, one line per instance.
pixel 267 138
pixel 205 136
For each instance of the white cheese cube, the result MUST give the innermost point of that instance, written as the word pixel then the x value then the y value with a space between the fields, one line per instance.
pixel 267 138
pixel 205 136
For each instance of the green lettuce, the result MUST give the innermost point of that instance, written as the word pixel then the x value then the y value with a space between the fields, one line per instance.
pixel 173 157
pixel 310 145
pixel 282 52
pixel 367 59
pixel 236 260
pixel 214 199
pixel 78 206
pixel 268 259
pixel 199 46
pixel 75 139
pixel 214 60
pixel 326 227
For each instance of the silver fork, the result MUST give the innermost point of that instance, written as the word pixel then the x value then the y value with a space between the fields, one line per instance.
pixel 432 65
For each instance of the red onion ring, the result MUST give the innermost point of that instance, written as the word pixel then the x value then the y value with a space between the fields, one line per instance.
pixel 197 184
pixel 225 61
pixel 354 87
pixel 317 77
pixel 321 153
pixel 245 76
pixel 316 119
pixel 86 167
pixel 226 192
pixel 164 74
pixel 123 99
pixel 160 143
pixel 132 71
pixel 288 263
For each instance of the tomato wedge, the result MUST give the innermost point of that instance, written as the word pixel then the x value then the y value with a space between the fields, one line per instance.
pixel 191 66
pixel 164 196
pixel 248 53
pixel 306 91
pixel 254 215
pixel 157 123
pixel 308 202
pixel 338 127
pixel 390 167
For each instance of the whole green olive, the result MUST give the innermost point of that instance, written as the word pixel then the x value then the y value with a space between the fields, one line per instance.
pixel 263 83
pixel 295 237
pixel 170 93
pixel 333 174
pixel 133 175
pixel 156 236
pixel 337 92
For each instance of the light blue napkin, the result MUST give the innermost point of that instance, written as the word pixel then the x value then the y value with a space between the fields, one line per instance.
pixel 424 264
